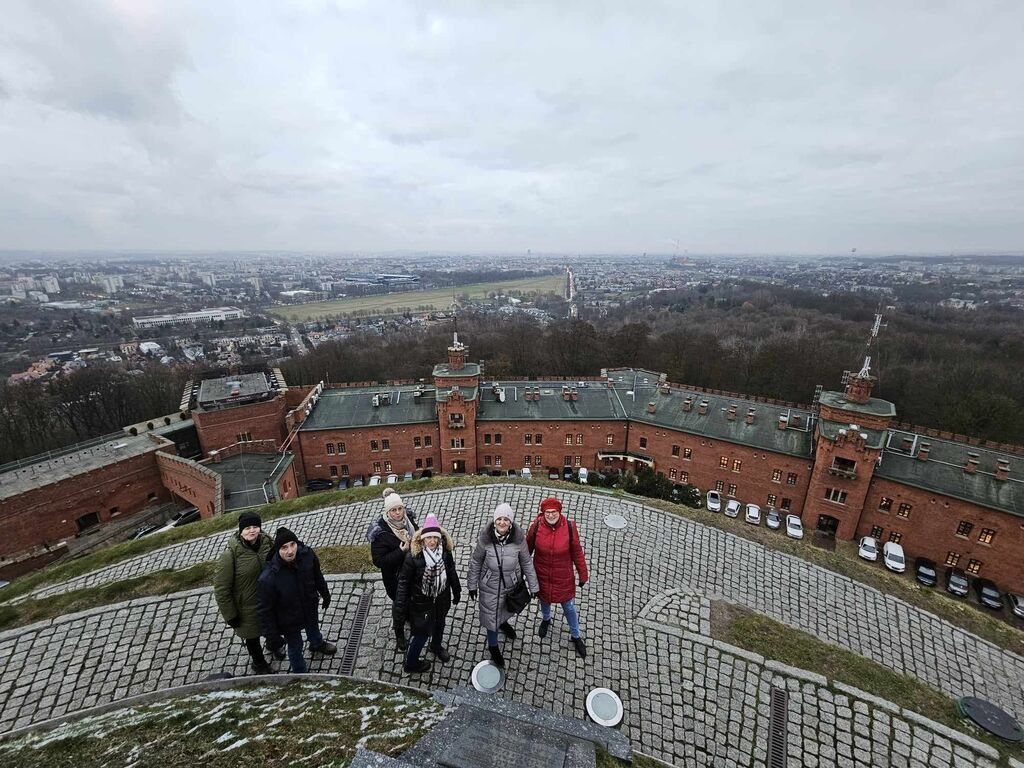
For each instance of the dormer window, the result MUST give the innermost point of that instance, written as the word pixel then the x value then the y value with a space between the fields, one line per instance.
pixel 843 467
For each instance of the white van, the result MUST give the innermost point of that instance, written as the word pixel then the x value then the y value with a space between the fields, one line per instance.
pixel 583 475
pixel 527 474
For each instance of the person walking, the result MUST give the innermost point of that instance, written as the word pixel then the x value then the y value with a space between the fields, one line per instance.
pixel 289 587
pixel 499 562
pixel 234 584
pixel 554 542
pixel 390 538
pixel 428 586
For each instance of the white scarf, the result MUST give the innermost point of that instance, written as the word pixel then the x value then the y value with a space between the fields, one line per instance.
pixel 435 578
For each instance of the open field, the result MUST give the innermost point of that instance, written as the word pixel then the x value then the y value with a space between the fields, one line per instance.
pixel 436 299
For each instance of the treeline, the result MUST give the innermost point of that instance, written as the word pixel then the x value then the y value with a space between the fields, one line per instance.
pixel 41 416
pixel 957 371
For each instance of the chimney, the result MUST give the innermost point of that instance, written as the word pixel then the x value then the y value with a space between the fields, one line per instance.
pixel 922 451
pixel 665 389
pixel 650 407
pixel 688 404
pixel 972 463
pixel 574 393
pixel 565 393
pixel 783 421
pixel 702 409
pixel 1002 469
pixel 215 455
pixel 731 413
pixel 750 415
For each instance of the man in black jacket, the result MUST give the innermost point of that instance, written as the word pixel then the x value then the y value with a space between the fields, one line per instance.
pixel 289 587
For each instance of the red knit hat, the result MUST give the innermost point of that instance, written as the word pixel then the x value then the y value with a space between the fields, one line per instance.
pixel 551 504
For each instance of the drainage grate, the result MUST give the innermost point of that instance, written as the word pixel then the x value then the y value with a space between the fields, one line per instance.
pixel 779 714
pixel 355 634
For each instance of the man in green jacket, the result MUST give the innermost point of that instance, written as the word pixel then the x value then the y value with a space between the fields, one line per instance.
pixel 234 584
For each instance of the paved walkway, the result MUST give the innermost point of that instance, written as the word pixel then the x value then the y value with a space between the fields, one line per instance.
pixel 644 615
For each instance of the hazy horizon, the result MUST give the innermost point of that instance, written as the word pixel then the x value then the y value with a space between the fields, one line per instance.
pixel 461 127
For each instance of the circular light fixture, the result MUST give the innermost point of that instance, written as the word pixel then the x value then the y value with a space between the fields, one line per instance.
pixel 488 677
pixel 604 707
pixel 618 522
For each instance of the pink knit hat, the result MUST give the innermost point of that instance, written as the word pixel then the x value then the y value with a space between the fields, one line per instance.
pixel 431 527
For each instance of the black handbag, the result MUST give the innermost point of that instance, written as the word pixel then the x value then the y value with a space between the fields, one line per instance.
pixel 517 598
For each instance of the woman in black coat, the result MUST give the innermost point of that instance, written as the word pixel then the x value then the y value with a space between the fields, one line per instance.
pixel 390 538
pixel 428 586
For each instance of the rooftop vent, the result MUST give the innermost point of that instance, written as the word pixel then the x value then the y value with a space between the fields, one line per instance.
pixel 651 407
pixel 922 452
pixel 375 400
pixel 750 415
pixel 688 404
pixel 730 414
pixel 702 409
pixel 783 421
pixel 971 466
pixel 1002 469
pixel 236 388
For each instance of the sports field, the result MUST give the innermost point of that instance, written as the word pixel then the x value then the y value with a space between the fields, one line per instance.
pixel 415 301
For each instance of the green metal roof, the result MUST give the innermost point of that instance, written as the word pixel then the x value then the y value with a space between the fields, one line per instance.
pixel 830 431
pixel 873 407
pixel 245 474
pixel 443 370
pixel 344 408
pixel 593 403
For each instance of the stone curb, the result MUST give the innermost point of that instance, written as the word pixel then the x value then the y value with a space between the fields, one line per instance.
pixel 949 733
pixel 857 693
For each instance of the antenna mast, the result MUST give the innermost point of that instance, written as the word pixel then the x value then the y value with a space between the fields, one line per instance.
pixel 865 371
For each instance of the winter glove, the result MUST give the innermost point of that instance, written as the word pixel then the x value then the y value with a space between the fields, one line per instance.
pixel 325 602
pixel 235 622
pixel 582 583
pixel 455 599
pixel 275 642
pixel 472 594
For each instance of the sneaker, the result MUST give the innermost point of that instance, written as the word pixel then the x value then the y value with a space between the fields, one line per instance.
pixel 496 656
pixel 581 647
pixel 442 654
pixel 418 668
pixel 262 669
pixel 545 625
pixel 277 653
pixel 328 649
pixel 508 630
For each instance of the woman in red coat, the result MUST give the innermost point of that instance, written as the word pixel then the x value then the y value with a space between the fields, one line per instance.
pixel 554 542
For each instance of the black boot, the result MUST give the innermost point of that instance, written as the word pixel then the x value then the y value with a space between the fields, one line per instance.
pixel 496 656
pixel 418 667
pixel 581 647
pixel 441 653
pixel 508 630
pixel 545 625
pixel 400 639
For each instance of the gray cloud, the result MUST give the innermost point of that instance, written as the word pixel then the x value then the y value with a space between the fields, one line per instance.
pixel 586 126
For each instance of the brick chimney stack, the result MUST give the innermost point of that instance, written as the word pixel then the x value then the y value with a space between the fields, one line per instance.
pixel 688 404
pixel 971 467
pixel 565 393
pixel 858 390
pixel 783 421
pixel 750 415
pixel 730 414
pixel 923 450
pixel 702 409
pixel 1002 469
pixel 651 407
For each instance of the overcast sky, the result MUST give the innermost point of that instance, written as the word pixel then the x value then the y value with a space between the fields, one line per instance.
pixel 504 126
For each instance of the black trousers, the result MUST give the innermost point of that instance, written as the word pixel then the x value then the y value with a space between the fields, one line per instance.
pixel 255 649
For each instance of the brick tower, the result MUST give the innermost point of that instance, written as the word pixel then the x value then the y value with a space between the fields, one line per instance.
pixel 458 387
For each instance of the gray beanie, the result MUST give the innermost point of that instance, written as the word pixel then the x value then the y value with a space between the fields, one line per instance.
pixel 505 510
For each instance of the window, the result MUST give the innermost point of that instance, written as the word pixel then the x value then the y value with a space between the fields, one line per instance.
pixel 568 439
pixel 243 437
pixel 836 495
pixel 736 465
pixel 430 462
pixel 609 439
pixel 497 461
pixel 845 467
pixel 895 537
pixel 723 462
pixel 341 448
pixel 974 567
pixel 776 475
pixel 885 505
pixel 458 442
pixel 577 461
pixel 385 445
pixel 344 470
pixel 417 442
pixel 786 504
pixel 732 489
pixel 419 463
pixel 387 466
pixel 579 438
pixel 527 460
pixel 373 445
pixel 497 438
pixel 675 450
pixel 673 474
pixel 719 485
pixel 487 460
pixel 904 510
pixel 528 439
pixel 986 536
pixel 428 441
pixel 876 531
pixel 456 420
pixel 376 467
pixel 538 438
pixel 566 460
pixel 536 461
pixel 687 453
pixel 643 442
pixel 964 529
pixel 487 438
pixel 771 500
pixel 952 558
pixel 330 449
pixel 791 478
pixel 684 477
pixel 334 470
pixel 114 511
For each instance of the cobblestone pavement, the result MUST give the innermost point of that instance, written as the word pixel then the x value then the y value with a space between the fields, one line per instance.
pixel 644 615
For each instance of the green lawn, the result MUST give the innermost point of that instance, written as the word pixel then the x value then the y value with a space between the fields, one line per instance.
pixel 418 300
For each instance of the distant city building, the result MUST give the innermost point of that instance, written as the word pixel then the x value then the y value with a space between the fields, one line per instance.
pixel 190 318
pixel 109 283
pixel 209 279
pixel 150 348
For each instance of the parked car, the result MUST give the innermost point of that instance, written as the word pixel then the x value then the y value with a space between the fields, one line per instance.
pixel 893 557
pixel 4 583
pixel 1016 604
pixel 527 474
pixel 553 474
pixel 732 509
pixel 392 479
pixel 145 530
pixel 357 483
pixel 512 473
pixel 956 582
pixel 773 519
pixel 375 480
pixel 794 527
pixel 318 484
pixel 753 514
pixel 342 483
pixel 184 517
pixel 924 572
pixel 714 501
pixel 567 474
pixel 407 477
pixel 988 594
pixel 582 474
pixel 426 474
pixel 868 549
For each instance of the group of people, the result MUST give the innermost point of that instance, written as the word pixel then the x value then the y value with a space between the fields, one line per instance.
pixel 507 568
pixel 274 588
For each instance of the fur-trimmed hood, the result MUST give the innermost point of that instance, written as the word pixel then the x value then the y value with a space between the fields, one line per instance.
pixel 416 545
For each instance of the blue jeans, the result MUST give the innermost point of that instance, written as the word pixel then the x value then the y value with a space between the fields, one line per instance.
pixel 569 609
pixel 294 639
pixel 492 638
